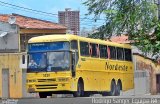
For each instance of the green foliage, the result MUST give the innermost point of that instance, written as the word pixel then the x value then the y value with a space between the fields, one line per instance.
pixel 137 18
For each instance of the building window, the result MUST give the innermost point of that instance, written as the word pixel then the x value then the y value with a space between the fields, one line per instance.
pixel 23 59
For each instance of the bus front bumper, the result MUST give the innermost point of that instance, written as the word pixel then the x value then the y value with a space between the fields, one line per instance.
pixel 32 88
pixel 51 84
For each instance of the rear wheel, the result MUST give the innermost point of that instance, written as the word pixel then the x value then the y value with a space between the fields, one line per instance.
pixel 80 90
pixel 105 93
pixel 113 89
pixel 118 89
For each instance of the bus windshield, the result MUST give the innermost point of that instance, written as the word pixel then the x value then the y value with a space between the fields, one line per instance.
pixel 44 57
pixel 37 60
pixel 58 61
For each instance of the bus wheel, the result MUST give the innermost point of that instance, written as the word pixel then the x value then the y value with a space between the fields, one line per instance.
pixel 87 94
pixel 42 95
pixel 118 89
pixel 80 90
pixel 105 93
pixel 113 89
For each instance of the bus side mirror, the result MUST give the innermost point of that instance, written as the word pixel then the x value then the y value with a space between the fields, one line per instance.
pixel 73 63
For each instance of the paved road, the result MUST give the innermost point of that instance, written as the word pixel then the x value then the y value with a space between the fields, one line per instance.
pixel 90 100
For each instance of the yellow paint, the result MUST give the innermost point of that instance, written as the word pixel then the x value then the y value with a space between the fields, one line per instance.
pixel 93 71
pixel 11 61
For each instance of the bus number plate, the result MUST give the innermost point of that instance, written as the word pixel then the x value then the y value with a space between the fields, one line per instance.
pixel 46 75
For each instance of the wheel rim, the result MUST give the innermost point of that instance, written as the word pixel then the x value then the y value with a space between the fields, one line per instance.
pixel 118 89
pixel 79 90
pixel 113 88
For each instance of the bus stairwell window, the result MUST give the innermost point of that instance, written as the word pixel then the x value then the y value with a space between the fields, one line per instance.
pixel 74 44
pixel 84 48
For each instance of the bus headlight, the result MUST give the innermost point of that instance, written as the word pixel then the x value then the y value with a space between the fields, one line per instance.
pixel 31 81
pixel 63 79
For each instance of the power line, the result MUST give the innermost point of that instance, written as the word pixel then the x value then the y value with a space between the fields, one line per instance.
pixel 24 10
pixel 29 9
pixel 92 19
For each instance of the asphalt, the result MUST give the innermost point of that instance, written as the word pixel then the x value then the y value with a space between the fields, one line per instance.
pixel 141 99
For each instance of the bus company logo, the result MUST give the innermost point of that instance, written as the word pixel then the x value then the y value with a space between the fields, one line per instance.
pixel 115 67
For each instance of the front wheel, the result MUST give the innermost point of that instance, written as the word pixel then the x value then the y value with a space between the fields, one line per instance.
pixel 42 95
pixel 80 90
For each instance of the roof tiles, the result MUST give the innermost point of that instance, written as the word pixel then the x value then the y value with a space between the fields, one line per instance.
pixel 31 23
pixel 120 39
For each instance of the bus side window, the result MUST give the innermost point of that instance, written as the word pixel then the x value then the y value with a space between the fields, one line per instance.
pixel 95 50
pixel 120 54
pixel 103 51
pixel 74 44
pixel 128 54
pixel 84 48
pixel 112 52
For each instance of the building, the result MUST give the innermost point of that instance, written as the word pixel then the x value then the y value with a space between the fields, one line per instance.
pixel 30 27
pixel 70 19
pixel 15 31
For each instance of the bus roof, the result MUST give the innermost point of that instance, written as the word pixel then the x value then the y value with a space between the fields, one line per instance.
pixel 69 37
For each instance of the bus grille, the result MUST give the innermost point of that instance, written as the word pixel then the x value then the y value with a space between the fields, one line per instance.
pixel 47 80
pixel 51 86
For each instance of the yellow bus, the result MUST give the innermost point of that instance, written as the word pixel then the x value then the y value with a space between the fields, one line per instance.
pixel 70 64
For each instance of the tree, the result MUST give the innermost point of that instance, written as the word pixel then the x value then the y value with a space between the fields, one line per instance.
pixel 137 18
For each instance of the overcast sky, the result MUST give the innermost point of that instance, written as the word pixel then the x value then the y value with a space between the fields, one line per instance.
pixel 50 6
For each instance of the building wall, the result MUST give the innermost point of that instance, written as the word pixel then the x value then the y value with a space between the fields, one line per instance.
pixel 9 42
pixel 11 61
pixel 151 68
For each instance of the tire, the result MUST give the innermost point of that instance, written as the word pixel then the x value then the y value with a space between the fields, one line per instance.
pixel 105 93
pixel 87 94
pixel 80 90
pixel 118 89
pixel 113 89
pixel 42 95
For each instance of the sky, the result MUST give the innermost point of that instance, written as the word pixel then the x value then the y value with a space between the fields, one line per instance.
pixel 49 6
